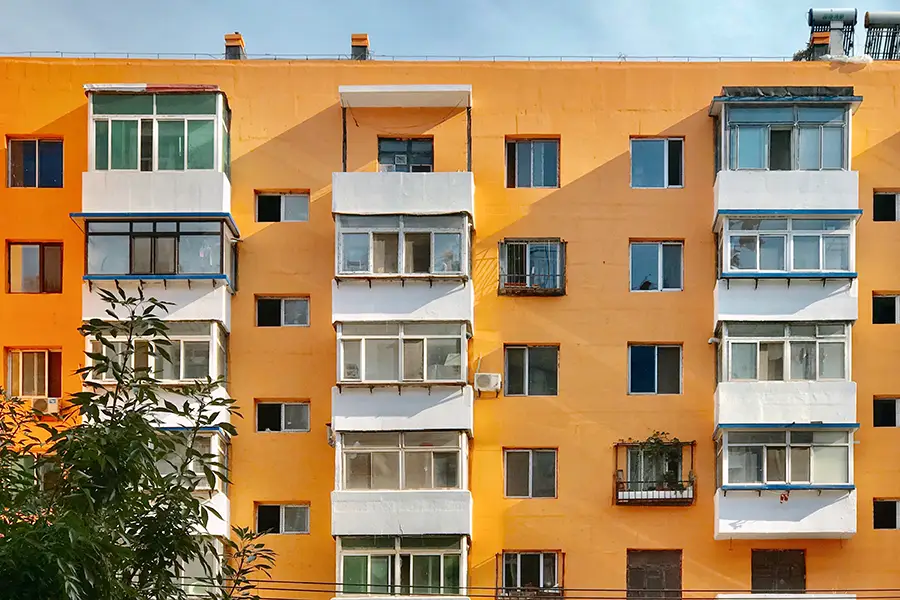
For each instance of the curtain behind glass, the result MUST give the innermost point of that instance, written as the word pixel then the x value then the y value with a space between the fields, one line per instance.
pixel 544 260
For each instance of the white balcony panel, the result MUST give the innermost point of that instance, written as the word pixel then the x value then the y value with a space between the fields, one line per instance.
pixel 781 402
pixel 169 421
pixel 369 193
pixel 786 190
pixel 805 515
pixel 406 96
pixel 201 301
pixel 155 192
pixel 220 503
pixel 411 301
pixel 410 409
pixel 774 300
pixel 407 512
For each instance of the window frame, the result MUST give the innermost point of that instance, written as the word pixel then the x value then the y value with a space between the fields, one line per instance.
pixel 282 404
pixel 896 505
pixel 787 339
pixel 515 141
pixel 37 162
pixel 527 287
pixel 525 370
pixel 196 586
pixel 896 201
pixel 639 452
pixel 408 154
pixel 894 402
pixel 281 300
pixel 531 472
pixel 41 266
pixel 556 588
pixel 896 301
pixel 656 374
pixel 400 337
pixel 403 451
pixel 281 528
pixel 281 205
pixel 779 570
pixel 660 262
pixel 666 150
pixel 18 384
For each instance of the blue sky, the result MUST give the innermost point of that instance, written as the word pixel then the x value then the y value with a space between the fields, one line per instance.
pixel 417 27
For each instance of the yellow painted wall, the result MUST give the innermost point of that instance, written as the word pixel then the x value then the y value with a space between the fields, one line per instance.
pixel 287 135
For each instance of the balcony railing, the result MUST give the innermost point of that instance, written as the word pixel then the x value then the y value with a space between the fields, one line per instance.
pixel 521 284
pixel 671 492
pixel 658 471
pixel 530 593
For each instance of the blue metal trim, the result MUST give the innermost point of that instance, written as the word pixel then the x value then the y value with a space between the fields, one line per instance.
pixel 788 487
pixel 174 277
pixel 787 426
pixel 787 99
pixel 791 275
pixel 788 211
pixel 161 215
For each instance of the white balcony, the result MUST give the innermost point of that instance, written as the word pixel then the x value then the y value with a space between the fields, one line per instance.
pixel 407 512
pixel 219 502
pixel 371 193
pixel 411 300
pixel 409 409
pixel 783 402
pixel 201 300
pixel 786 300
pixel 155 192
pixel 766 515
pixel 786 190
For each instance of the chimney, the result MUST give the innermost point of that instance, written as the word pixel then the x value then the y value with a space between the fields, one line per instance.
pixel 359 46
pixel 234 46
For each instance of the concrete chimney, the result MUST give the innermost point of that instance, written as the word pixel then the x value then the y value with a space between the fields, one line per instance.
pixel 359 46
pixel 234 46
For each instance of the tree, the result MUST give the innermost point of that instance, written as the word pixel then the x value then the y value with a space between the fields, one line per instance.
pixel 103 503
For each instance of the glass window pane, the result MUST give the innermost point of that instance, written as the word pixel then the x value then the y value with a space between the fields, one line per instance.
pixel 268 417
pixel 743 361
pixel 806 252
pixel 669 370
pixel 444 360
pixel 549 570
pixel 355 574
pixel 372 440
pixel 186 104
pixel 831 360
pixel 296 416
pixel 446 469
pixel 515 370
pixel 199 253
pixel 648 163
pixel 357 470
pixel 296 519
pixel 201 144
pixel 742 251
pixel 779 114
pixel 296 311
pixel 830 330
pixel 50 163
pixel 141 255
pixel 417 252
pixel 545 163
pixel 776 464
pixel 771 252
pixel 821 114
pixel 426 574
pixel 451 574
pixel 101 145
pixel 837 253
pixel 517 473
pixel 108 254
pixel 385 252
pixel 831 464
pixel 803 361
pixel 123 104
pixel 642 369
pixel 414 359
pixel 51 274
pixel 432 329
pixel 523 164
pixel 370 329
pixel 751 148
pixel 798 330
pixel 431 439
pixel 24 268
pixel 780 149
pixel 196 360
pixel 644 266
pixel 799 464
pixel 542 371
pixel 385 470
pixel 810 140
pixel 447 253
pixel 510 570
pixel 124 144
pixel 382 360
pixel 355 252
pixel 165 255
pixel 745 464
pixel 771 361
pixel 171 369
pixel 296 207
pixel 417 470
pixel 530 570
pixel 755 330
pixel 832 147
pixel 671 261
pixel 170 145
pixel 543 483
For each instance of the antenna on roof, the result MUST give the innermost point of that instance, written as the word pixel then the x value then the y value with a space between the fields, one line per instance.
pixel 883 35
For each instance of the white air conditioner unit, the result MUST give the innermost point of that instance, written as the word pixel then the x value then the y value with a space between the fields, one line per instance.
pixel 47 406
pixel 386 168
pixel 487 382
pixel 400 159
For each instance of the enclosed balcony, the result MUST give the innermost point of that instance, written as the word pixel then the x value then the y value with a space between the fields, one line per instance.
pixel 658 471
pixel 387 193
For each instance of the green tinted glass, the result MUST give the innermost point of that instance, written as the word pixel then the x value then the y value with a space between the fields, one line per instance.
pixel 124 145
pixel 185 104
pixel 170 145
pixel 123 104
pixel 201 144
pixel 101 145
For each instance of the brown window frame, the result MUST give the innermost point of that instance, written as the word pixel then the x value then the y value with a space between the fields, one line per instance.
pixel 651 566
pixel 771 571
pixel 42 267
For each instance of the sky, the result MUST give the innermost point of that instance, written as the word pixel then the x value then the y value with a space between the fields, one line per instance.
pixel 738 28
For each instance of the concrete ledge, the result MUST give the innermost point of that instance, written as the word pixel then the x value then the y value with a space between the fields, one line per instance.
pixel 764 515
pixel 407 512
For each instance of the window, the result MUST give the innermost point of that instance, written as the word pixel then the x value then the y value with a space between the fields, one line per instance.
pixel 884 412
pixel 654 468
pixel 34 373
pixel 786 138
pixel 35 163
pixel 884 309
pixel 778 571
pixel 653 574
pixel 282 518
pixel 532 370
pixel 396 352
pixel 657 163
pixel 654 369
pixel 422 460
pixel 530 473
pixel 158 132
pixel 282 208
pixel 405 155
pixel 194 575
pixel 282 312
pixel 789 245
pixel 416 566
pixel 656 266
pixel 532 163
pixel 211 446
pixel 885 514
pixel 786 352
pixel 797 456
pixel 402 244
pixel 884 206
pixel 196 350
pixel 282 416
pixel 528 571
pixel 156 248
pixel 532 267
pixel 35 268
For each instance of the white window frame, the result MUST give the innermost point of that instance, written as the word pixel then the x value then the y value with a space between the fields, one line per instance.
pixel 896 205
pixel 896 402
pixel 20 351
pixel 284 429
pixel 659 264
pixel 896 504
pixel 511 591
pixel 281 299
pixel 789 235
pixel 281 507
pixel 665 165
pixel 786 339
pixel 531 141
pixel 559 273
pixel 343 337
pixel 787 445
pixel 282 196
pixel 37 163
pixel 199 588
pixel 527 348
pixel 530 452
pixel 401 229
pixel 896 300
pixel 638 453
pixel 403 450
pixel 218 448
pixel 656 373
pixel 394 587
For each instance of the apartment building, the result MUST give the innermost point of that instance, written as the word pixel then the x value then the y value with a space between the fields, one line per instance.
pixel 497 329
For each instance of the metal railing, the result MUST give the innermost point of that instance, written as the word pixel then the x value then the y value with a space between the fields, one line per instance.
pixel 529 593
pixel 532 284
pixel 661 491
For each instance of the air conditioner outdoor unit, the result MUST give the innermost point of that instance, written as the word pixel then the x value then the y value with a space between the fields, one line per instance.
pixel 48 406
pixel 487 382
